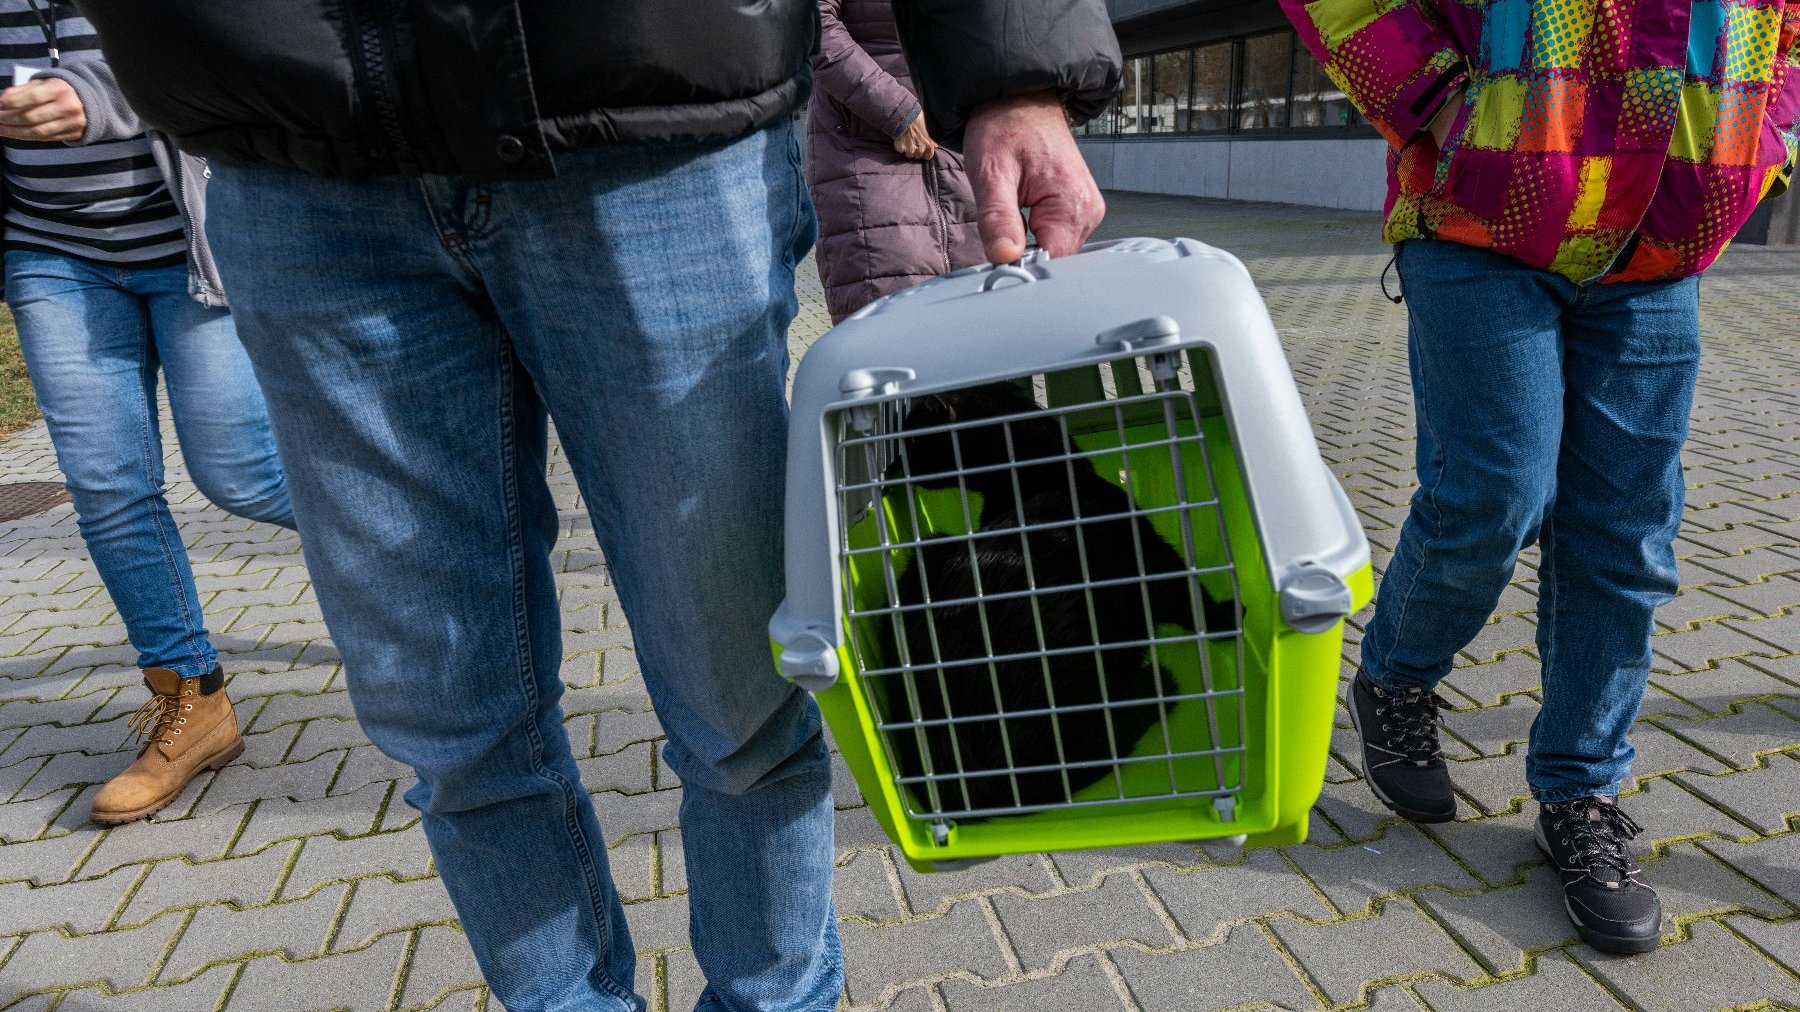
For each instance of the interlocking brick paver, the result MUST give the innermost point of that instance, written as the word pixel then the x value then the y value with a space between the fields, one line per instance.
pixel 682 981
pixel 1772 863
pixel 626 771
pixel 1678 978
pixel 244 881
pixel 1554 983
pixel 200 994
pixel 1343 957
pixel 194 839
pixel 117 959
pixel 1502 926
pixel 1692 883
pixel 658 924
pixel 364 765
pixel 296 929
pixel 1764 797
pixel 926 893
pixel 1400 860
pixel 1779 941
pixel 441 963
pixel 1086 867
pixel 380 905
pixel 241 783
pixel 77 907
pixel 350 814
pixel 1204 903
pixel 328 859
pixel 861 887
pixel 1081 985
pixel 1740 737
pixel 356 980
pixel 1242 969
pixel 1117 911
pixel 876 958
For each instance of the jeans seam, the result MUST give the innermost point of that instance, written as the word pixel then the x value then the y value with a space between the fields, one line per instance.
pixel 151 448
pixel 452 242
pixel 1429 497
pixel 527 670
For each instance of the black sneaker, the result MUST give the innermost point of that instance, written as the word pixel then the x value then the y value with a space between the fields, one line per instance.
pixel 1603 889
pixel 1401 759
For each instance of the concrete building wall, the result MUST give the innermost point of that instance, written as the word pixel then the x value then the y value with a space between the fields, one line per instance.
pixel 1325 172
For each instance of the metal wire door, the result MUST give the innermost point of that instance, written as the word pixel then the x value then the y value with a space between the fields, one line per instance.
pixel 1041 595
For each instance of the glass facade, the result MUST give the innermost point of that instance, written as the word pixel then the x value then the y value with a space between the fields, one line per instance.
pixel 1267 81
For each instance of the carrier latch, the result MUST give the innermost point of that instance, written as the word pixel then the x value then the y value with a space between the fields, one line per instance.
pixel 810 662
pixel 1314 598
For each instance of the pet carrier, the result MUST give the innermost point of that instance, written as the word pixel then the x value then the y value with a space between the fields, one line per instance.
pixel 1064 566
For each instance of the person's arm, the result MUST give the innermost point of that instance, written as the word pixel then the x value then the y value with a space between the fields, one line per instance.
pixel 109 118
pixel 846 72
pixel 1784 101
pixel 1014 74
pixel 964 53
pixel 1392 61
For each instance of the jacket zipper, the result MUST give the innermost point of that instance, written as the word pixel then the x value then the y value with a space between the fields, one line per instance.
pixel 935 187
pixel 374 61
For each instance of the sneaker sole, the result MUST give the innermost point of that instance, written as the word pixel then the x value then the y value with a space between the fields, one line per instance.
pixel 217 762
pixel 1616 944
pixel 1409 814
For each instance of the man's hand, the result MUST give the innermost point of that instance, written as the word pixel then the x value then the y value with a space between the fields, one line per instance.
pixel 1020 153
pixel 914 142
pixel 1440 125
pixel 44 109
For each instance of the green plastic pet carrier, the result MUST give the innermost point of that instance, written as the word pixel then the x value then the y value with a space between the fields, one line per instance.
pixel 1064 566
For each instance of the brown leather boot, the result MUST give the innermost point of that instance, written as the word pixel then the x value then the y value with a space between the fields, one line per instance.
pixel 187 734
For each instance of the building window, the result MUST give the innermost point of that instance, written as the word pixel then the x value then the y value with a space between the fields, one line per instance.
pixel 1259 82
pixel 1212 88
pixel 1131 98
pixel 1168 112
pixel 1263 89
pixel 1318 101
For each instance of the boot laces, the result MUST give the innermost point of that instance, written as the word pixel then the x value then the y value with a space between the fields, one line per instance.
pixel 155 719
pixel 1411 718
pixel 1597 833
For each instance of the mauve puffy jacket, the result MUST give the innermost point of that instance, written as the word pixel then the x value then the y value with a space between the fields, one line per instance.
pixel 885 221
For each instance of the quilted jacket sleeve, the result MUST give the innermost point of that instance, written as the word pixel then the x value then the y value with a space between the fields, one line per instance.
pixel 846 72
pixel 967 52
pixel 1387 56
pixel 1784 100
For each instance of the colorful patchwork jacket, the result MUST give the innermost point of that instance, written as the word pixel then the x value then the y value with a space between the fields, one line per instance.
pixel 1615 139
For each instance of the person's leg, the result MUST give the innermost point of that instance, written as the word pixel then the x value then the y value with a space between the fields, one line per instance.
pixel 415 448
pixel 1485 347
pixel 220 419
pixel 651 290
pixel 1631 357
pixel 88 348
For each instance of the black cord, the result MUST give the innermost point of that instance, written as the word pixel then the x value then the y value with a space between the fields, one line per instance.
pixel 1395 299
pixel 48 25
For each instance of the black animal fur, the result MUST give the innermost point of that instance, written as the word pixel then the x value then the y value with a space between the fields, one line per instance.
pixel 999 559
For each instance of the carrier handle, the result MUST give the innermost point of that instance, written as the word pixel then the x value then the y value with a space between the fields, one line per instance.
pixel 1014 271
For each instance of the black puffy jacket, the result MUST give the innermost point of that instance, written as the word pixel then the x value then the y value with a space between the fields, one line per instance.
pixel 492 89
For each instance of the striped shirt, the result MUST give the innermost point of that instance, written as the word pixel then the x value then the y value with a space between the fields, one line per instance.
pixel 103 202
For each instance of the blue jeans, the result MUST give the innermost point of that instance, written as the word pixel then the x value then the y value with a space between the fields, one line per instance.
pixel 412 336
pixel 1548 412
pixel 94 338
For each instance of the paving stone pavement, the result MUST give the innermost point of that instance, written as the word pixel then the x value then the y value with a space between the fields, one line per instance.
pixel 298 879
